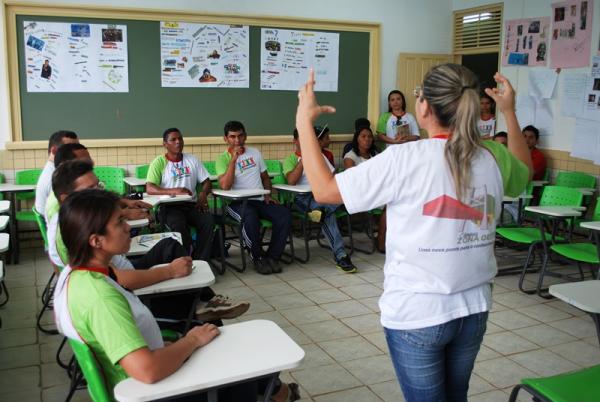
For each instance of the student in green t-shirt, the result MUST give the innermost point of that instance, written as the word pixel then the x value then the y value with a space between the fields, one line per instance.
pixel 178 173
pixel 91 307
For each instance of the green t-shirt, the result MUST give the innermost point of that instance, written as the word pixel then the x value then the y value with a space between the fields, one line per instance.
pixel 103 318
pixel 515 174
pixel 290 163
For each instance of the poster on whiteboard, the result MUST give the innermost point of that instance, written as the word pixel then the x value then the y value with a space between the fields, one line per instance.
pixel 571 33
pixel 526 42
pixel 75 57
pixel 204 55
pixel 287 55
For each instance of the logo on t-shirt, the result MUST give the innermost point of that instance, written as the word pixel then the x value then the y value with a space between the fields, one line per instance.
pixel 178 172
pixel 246 164
pixel 478 208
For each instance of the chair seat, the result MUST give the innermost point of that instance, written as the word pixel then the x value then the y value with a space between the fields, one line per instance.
pixel 26 215
pixel 523 235
pixel 266 224
pixel 4 237
pixel 583 252
pixel 581 385
pixel 3 222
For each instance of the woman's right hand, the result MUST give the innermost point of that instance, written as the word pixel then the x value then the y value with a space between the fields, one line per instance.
pixel 180 267
pixel 203 334
pixel 504 96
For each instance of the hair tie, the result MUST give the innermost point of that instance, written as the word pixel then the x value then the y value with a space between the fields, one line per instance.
pixel 462 91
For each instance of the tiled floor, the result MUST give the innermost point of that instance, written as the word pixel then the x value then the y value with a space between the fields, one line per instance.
pixel 334 317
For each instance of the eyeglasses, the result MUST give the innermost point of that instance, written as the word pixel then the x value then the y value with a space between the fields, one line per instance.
pixel 417 91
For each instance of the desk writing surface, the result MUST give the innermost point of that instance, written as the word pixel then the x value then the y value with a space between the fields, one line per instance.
pixel 591 225
pixel 201 276
pixel 555 211
pixel 584 295
pixel 242 351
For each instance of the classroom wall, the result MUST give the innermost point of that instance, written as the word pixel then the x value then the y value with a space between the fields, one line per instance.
pixel 401 20
pixel 557 146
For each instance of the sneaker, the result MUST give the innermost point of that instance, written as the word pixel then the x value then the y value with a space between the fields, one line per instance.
pixel 315 215
pixel 275 265
pixel 262 266
pixel 346 265
pixel 221 307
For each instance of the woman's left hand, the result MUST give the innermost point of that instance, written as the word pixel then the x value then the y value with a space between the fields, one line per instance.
pixel 308 108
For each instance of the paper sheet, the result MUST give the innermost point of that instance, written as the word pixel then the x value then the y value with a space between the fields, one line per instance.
pixel 286 56
pixel 544 116
pixel 591 95
pixel 586 140
pixel 542 82
pixel 571 33
pixel 525 110
pixel 75 57
pixel 573 94
pixel 204 55
pixel 526 42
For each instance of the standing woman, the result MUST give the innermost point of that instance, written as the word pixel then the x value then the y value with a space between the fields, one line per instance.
pixel 396 126
pixel 487 117
pixel 91 307
pixel 443 196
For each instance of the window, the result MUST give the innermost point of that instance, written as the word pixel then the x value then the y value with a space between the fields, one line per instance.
pixel 478 30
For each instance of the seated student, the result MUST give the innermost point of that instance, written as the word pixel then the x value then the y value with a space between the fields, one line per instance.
pixel 324 141
pixel 293 170
pixel 135 209
pixel 501 137
pixel 91 307
pixel 77 175
pixel 242 168
pixel 43 187
pixel 532 136
pixel 358 123
pixel 176 173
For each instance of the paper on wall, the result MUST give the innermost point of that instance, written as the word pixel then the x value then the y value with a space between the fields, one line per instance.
pixel 204 55
pixel 591 95
pixel 586 140
pixel 571 33
pixel 525 110
pixel 75 57
pixel 573 94
pixel 542 82
pixel 286 56
pixel 526 42
pixel 544 116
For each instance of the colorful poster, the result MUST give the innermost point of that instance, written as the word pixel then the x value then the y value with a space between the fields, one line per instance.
pixel 591 109
pixel 526 42
pixel 75 57
pixel 286 56
pixel 571 34
pixel 204 55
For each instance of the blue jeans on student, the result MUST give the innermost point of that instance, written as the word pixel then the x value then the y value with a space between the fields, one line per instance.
pixel 435 363
pixel 306 202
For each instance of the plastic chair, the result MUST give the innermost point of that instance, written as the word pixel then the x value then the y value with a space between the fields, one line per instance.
pixel 2 180
pixel 582 385
pixel 575 180
pixel 30 176
pixel 112 177
pixel 211 167
pixel 141 172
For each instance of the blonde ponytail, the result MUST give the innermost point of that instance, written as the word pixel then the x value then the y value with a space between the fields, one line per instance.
pixel 452 93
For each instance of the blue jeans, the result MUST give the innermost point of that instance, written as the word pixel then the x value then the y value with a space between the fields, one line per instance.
pixel 330 229
pixel 435 363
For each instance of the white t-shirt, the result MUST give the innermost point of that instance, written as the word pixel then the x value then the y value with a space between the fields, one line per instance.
pixel 248 168
pixel 187 173
pixel 439 251
pixel 357 159
pixel 43 187
pixel 304 180
pixel 391 126
pixel 487 128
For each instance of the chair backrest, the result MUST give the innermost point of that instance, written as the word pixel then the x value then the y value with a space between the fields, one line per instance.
pixel 41 222
pixel 596 214
pixel 575 179
pixel 29 176
pixel 561 197
pixel 275 170
pixel 211 167
pixel 141 172
pixel 96 384
pixel 2 180
pixel 112 177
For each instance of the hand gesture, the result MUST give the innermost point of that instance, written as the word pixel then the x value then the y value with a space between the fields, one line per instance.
pixel 308 108
pixel 180 267
pixel 202 335
pixel 504 96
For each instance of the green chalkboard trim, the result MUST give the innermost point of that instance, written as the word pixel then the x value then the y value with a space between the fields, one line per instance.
pixel 12 10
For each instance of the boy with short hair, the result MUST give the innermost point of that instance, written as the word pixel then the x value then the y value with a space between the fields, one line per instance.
pixel 241 167
pixel 532 136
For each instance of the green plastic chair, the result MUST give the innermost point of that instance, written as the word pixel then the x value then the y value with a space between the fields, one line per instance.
pixel 2 180
pixel 112 177
pixel 91 370
pixel 141 172
pixel 30 176
pixel 575 180
pixel 211 167
pixel 41 222
pixel 582 385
